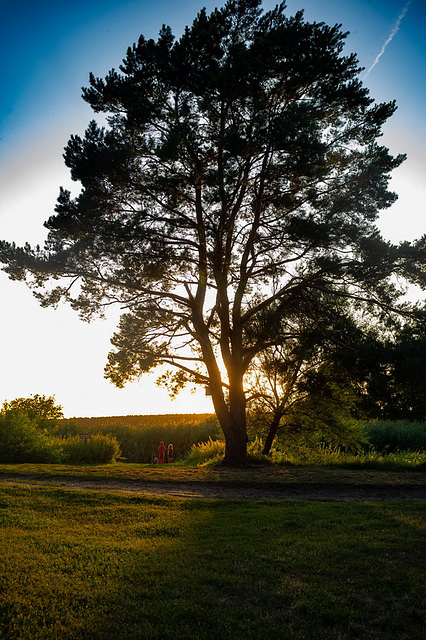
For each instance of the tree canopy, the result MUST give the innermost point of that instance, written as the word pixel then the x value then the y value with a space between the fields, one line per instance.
pixel 43 410
pixel 238 180
pixel 389 374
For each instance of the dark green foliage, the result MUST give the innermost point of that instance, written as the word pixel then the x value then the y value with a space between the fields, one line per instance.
pixel 22 440
pixel 26 428
pixel 388 436
pixel 396 376
pixel 139 436
pixel 385 367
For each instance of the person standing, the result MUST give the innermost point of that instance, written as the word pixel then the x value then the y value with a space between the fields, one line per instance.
pixel 161 452
pixel 170 453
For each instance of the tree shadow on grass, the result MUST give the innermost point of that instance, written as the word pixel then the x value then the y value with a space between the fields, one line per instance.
pixel 132 567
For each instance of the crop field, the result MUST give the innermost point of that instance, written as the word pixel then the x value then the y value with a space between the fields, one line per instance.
pixel 148 420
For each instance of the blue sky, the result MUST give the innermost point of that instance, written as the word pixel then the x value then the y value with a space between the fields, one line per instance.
pixel 48 49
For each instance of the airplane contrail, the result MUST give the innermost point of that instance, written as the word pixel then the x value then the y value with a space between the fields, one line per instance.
pixel 391 36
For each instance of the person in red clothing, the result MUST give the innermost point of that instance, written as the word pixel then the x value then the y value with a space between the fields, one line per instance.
pixel 161 452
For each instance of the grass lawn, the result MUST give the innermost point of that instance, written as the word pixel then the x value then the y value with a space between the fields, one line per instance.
pixel 91 565
pixel 253 475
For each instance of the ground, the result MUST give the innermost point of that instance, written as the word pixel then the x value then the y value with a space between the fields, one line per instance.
pixel 410 488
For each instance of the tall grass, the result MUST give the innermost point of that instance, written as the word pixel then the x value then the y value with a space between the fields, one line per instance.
pixel 141 421
pixel 212 452
pixel 401 435
pixel 206 452
pixel 381 445
pixel 197 439
pixel 139 436
pixel 99 449
pixel 335 457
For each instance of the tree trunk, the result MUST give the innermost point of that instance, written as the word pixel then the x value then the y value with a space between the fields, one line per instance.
pixel 232 420
pixel 273 428
pixel 231 414
pixel 236 439
pixel 236 433
pixel 235 448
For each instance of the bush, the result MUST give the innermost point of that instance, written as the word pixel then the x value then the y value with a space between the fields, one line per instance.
pixel 99 449
pixel 388 436
pixel 206 452
pixel 213 451
pixel 42 410
pixel 21 440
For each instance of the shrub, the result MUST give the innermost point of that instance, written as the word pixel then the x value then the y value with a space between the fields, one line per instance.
pixel 206 452
pixel 99 449
pixel 213 451
pixel 21 440
pixel 42 410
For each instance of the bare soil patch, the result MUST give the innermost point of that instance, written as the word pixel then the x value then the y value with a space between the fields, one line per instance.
pixel 314 491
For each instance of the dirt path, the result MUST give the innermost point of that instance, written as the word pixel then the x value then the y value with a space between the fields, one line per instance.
pixel 330 492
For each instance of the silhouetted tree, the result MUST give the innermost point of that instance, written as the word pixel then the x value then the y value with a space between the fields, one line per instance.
pixel 239 170
pixel 389 374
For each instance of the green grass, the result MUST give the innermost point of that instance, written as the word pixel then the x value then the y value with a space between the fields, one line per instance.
pixel 86 565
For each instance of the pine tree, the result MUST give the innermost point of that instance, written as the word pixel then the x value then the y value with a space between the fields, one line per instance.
pixel 239 173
